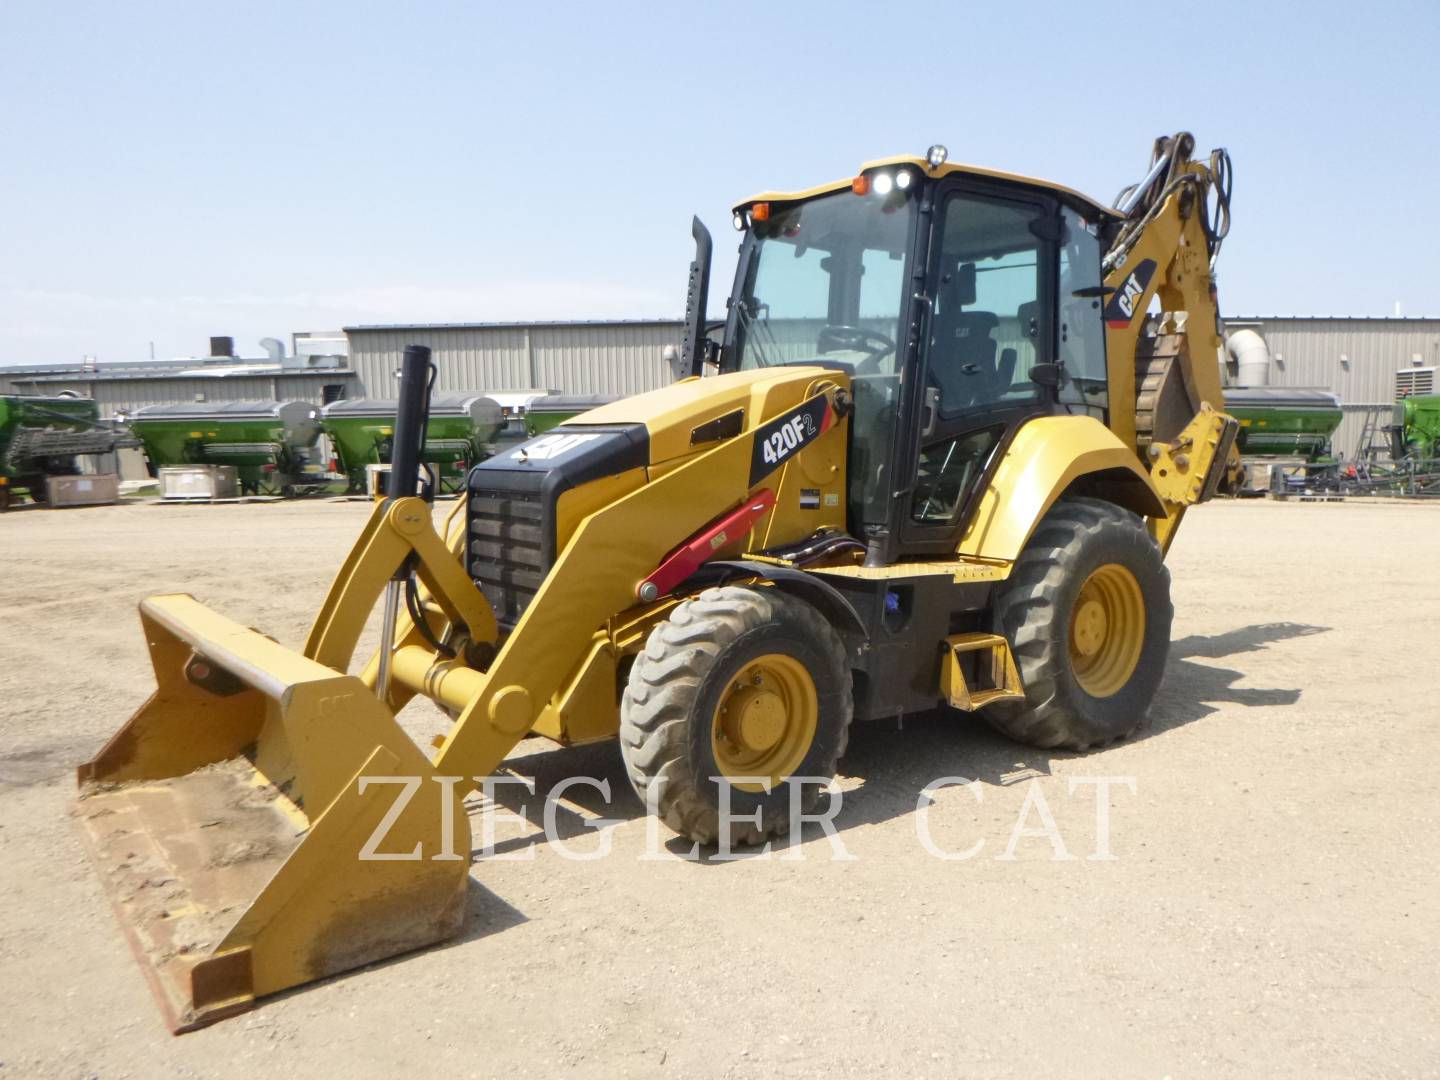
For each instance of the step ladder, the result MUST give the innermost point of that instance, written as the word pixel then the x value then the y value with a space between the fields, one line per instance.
pixel 996 677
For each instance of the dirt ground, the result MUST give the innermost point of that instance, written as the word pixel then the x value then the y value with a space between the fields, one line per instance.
pixel 1271 909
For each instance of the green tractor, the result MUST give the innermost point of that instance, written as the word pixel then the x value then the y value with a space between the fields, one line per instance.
pixel 1416 432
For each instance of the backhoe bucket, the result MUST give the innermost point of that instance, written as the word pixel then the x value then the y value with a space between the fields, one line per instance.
pixel 251 822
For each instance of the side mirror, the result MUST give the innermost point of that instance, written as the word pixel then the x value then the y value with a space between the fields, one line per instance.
pixel 1048 376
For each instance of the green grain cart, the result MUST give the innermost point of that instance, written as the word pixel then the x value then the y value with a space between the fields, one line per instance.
pixel 42 436
pixel 1284 421
pixel 270 443
pixel 461 431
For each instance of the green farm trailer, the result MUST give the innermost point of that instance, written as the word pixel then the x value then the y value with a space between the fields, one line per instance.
pixel 270 443
pixel 1285 421
pixel 461 431
pixel 43 436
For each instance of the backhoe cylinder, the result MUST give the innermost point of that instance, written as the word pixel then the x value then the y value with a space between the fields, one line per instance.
pixel 1142 189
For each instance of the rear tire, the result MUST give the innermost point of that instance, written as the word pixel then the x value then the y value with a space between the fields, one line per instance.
pixel 1087 613
pixel 731 665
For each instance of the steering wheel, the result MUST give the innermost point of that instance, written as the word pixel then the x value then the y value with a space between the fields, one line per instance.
pixel 858 339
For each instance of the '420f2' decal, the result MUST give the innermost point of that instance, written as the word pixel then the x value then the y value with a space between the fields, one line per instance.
pixel 782 438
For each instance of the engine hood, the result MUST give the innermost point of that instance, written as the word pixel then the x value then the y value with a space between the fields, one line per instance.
pixel 687 415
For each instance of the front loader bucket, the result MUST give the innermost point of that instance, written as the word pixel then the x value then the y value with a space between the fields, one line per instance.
pixel 229 824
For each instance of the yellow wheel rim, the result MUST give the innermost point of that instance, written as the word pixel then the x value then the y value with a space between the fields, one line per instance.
pixel 765 721
pixel 1107 630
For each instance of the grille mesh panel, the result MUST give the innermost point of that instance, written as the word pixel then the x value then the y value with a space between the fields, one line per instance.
pixel 507 549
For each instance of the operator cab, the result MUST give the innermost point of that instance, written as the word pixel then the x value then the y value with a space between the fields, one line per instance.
pixel 961 302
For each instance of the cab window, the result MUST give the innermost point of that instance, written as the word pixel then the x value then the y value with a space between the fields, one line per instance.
pixel 1082 330
pixel 987 327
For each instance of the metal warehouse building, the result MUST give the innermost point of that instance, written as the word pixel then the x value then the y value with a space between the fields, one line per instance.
pixel 126 387
pixel 621 357
pixel 1355 357
pixel 316 371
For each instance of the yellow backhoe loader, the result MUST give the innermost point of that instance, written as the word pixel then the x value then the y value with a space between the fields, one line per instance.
pixel 954 421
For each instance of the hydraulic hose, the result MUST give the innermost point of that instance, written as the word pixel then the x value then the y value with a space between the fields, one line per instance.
pixel 1141 202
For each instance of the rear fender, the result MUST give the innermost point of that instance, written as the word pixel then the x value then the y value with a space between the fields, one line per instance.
pixel 1048 457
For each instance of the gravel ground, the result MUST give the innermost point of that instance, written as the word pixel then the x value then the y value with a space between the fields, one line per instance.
pixel 1270 910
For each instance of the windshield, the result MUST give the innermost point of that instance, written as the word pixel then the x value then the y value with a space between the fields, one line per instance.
pixel 825 280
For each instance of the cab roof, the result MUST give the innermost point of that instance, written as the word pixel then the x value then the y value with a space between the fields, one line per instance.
pixel 949 168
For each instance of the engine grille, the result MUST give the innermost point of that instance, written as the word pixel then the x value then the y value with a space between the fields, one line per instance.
pixel 512 500
pixel 508 533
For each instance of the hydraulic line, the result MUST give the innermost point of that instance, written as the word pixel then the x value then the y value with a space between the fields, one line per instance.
pixel 1141 202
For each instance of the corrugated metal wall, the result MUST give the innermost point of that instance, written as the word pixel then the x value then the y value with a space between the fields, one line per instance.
pixel 1354 358
pixel 576 358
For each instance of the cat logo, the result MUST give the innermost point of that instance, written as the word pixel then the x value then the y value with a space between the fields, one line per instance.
pixel 550 447
pixel 1120 311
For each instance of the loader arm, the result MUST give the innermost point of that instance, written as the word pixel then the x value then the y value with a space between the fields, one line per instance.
pixel 397 529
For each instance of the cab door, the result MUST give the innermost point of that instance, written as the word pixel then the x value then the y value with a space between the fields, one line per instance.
pixel 990 283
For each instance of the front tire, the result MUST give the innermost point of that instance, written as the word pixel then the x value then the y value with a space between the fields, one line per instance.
pixel 737 684
pixel 1087 613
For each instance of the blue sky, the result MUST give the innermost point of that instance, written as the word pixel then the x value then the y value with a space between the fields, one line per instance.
pixel 174 170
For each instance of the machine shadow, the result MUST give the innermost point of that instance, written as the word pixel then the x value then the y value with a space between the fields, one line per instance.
pixel 1192 691
pixel 894 761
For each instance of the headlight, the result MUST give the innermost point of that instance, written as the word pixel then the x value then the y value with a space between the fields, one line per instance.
pixel 882 184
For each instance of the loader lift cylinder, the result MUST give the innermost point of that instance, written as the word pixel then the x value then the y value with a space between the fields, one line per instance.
pixel 412 413
pixel 411 420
